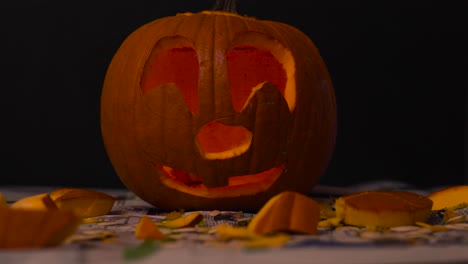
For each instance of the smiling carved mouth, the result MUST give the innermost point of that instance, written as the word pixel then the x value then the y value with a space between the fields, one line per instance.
pixel 238 185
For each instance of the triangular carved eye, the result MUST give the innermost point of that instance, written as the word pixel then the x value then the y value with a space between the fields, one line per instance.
pixel 254 58
pixel 173 60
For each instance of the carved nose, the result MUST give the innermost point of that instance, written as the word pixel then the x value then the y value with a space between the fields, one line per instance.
pixel 219 141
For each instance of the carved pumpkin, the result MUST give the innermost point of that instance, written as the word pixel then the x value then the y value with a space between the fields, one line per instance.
pixel 213 110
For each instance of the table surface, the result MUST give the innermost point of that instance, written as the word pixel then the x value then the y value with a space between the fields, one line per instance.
pixel 112 237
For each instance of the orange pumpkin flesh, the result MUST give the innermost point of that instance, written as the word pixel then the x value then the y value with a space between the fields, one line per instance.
pixel 214 110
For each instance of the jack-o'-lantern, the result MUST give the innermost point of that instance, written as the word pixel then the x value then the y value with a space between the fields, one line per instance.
pixel 214 110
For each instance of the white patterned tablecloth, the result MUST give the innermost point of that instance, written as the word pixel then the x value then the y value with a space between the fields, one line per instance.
pixel 106 240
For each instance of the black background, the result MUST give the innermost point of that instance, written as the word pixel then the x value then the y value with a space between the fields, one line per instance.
pixel 399 69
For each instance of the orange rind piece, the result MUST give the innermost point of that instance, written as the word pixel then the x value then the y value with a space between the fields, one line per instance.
pixel 188 220
pixel 33 228
pixel 147 229
pixel 37 202
pixel 84 202
pixel 383 208
pixel 287 212
pixel 449 197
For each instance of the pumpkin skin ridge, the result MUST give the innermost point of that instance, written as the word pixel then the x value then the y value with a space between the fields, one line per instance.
pixel 132 167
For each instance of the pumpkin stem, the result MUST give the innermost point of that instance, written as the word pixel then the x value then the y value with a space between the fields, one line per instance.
pixel 225 5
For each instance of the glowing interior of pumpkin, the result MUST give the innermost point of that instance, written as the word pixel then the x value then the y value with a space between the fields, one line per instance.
pixel 238 185
pixel 248 66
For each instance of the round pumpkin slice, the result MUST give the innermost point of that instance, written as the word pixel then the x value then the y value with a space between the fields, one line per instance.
pixel 383 208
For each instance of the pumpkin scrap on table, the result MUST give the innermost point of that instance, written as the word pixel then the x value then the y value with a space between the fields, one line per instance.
pixel 287 212
pixel 188 220
pixel 35 222
pixel 84 202
pixel 147 229
pixel 46 220
pixel 228 109
pixel 383 208
pixel 284 214
pixel 41 201
pixel 449 197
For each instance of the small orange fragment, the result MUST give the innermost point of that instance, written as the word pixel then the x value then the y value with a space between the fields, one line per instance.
pixel 147 229
pixel 84 202
pixel 188 220
pixel 38 202
pixel 449 197
pixel 287 212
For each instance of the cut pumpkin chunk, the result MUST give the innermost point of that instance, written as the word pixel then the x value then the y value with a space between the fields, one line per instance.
pixel 32 228
pixel 188 220
pixel 449 197
pixel 147 229
pixel 383 208
pixel 38 202
pixel 84 202
pixel 287 212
